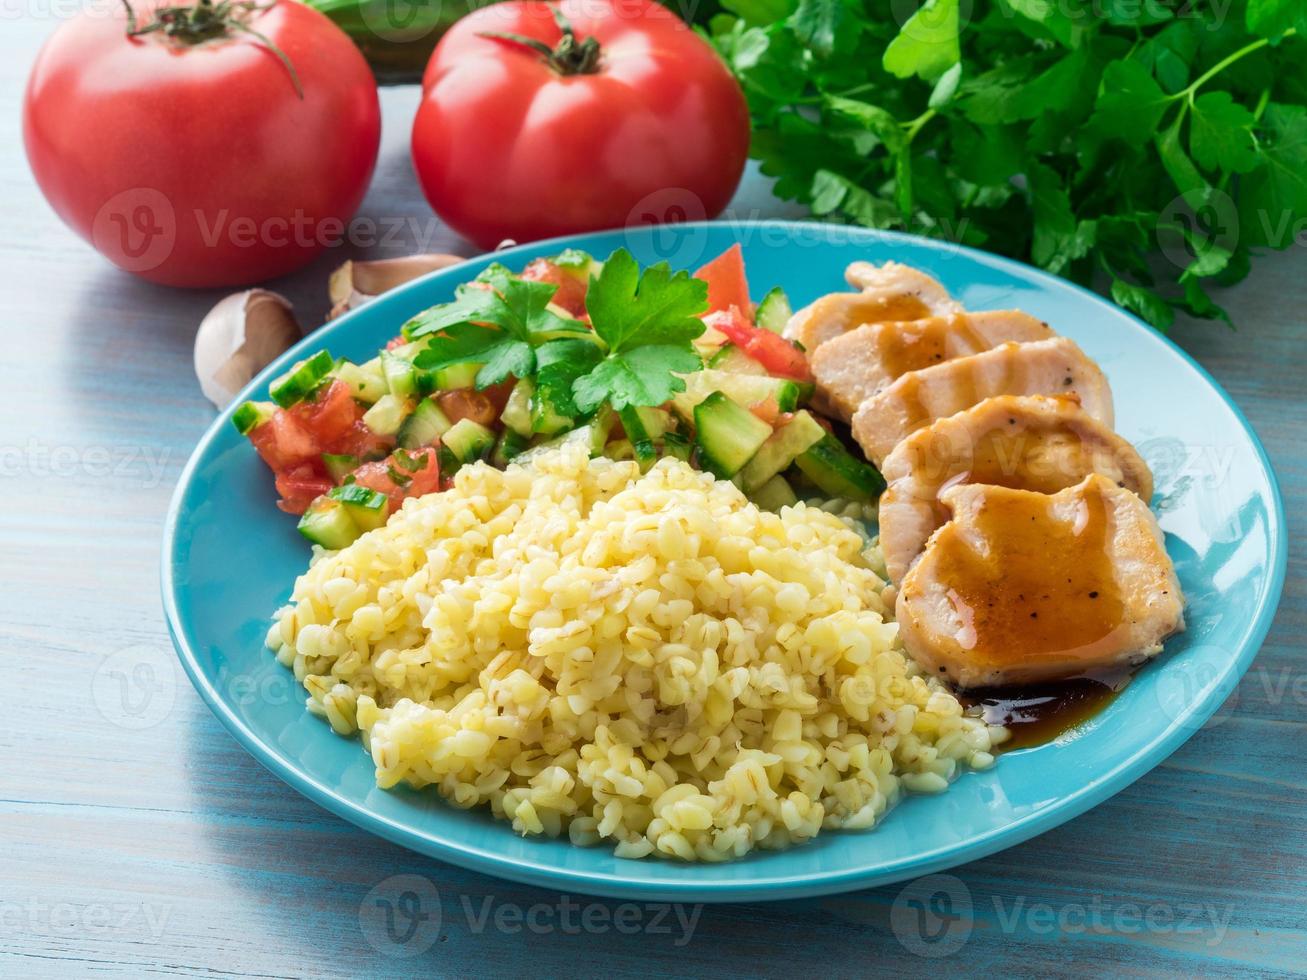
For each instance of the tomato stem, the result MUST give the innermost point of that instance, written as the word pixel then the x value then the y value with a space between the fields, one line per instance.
pixel 568 57
pixel 209 21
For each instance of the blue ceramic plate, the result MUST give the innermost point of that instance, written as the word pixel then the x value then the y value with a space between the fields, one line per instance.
pixel 230 559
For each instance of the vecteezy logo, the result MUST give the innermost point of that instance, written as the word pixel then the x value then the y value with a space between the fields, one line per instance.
pixel 135 688
pixel 668 209
pixel 401 20
pixel 136 229
pixel 932 916
pixel 400 917
pixel 1197 223
pixel 1199 676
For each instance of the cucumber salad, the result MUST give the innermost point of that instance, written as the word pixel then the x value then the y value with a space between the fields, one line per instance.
pixel 634 365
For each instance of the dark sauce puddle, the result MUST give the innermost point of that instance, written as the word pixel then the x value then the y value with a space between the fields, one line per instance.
pixel 1036 714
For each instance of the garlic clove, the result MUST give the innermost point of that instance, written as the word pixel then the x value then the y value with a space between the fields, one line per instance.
pixel 354 283
pixel 238 338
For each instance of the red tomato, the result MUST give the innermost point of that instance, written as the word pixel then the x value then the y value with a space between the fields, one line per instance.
pixel 419 469
pixel 771 350
pixel 727 285
pixel 509 143
pixel 201 164
pixel 299 487
pixel 330 417
pixel 571 288
pixel 284 443
pixel 466 403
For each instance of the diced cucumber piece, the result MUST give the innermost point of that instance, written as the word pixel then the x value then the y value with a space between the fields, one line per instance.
pixel 731 358
pixel 455 376
pixel 339 466
pixel 468 441
pixel 517 411
pixel 366 384
pixel 644 427
pixel 368 508
pixel 328 523
pixel 424 426
pixel 745 390
pixel 806 388
pixel 786 444
pixel 774 311
pixel 387 415
pixel 250 415
pixel 727 433
pixel 546 420
pixel 837 473
pixel 593 435
pixel 578 262
pixel 774 494
pixel 675 444
pixel 407 352
pixel 510 445
pixel 302 380
pixel 401 375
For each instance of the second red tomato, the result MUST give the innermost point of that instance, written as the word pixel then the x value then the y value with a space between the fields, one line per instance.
pixel 546 119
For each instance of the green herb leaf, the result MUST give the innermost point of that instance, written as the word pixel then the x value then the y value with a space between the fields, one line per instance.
pixel 927 45
pixel 823 24
pixel 1275 193
pixel 1144 302
pixel 497 322
pixel 1271 18
pixel 646 323
pixel 629 309
pixel 1130 104
pixel 558 364
pixel 641 376
pixel 1221 134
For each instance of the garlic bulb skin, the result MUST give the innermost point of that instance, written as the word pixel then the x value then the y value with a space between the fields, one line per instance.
pixel 355 283
pixel 238 338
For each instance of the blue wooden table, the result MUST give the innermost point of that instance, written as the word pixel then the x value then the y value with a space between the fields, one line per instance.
pixel 137 838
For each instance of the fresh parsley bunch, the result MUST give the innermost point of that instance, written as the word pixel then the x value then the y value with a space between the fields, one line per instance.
pixel 1153 146
pixel 639 339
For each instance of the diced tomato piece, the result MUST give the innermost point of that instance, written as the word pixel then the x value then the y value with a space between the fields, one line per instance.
pixel 467 403
pixel 330 417
pixel 772 351
pixel 571 288
pixel 767 410
pixel 364 443
pixel 299 487
pixel 498 394
pixel 283 442
pixel 727 285
pixel 394 342
pixel 418 473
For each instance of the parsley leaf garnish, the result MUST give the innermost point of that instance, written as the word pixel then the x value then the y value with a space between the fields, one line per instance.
pixel 646 323
pixel 496 321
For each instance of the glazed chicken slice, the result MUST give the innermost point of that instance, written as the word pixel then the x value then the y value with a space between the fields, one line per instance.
pixel 851 368
pixel 1021 587
pixel 887 292
pixel 1026 442
pixel 916 399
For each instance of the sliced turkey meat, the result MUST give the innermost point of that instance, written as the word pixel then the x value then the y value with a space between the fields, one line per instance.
pixel 892 291
pixel 1020 587
pixel 1026 442
pixel 916 399
pixel 854 366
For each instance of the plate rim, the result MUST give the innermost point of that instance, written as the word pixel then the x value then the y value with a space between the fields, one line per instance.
pixel 763 887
